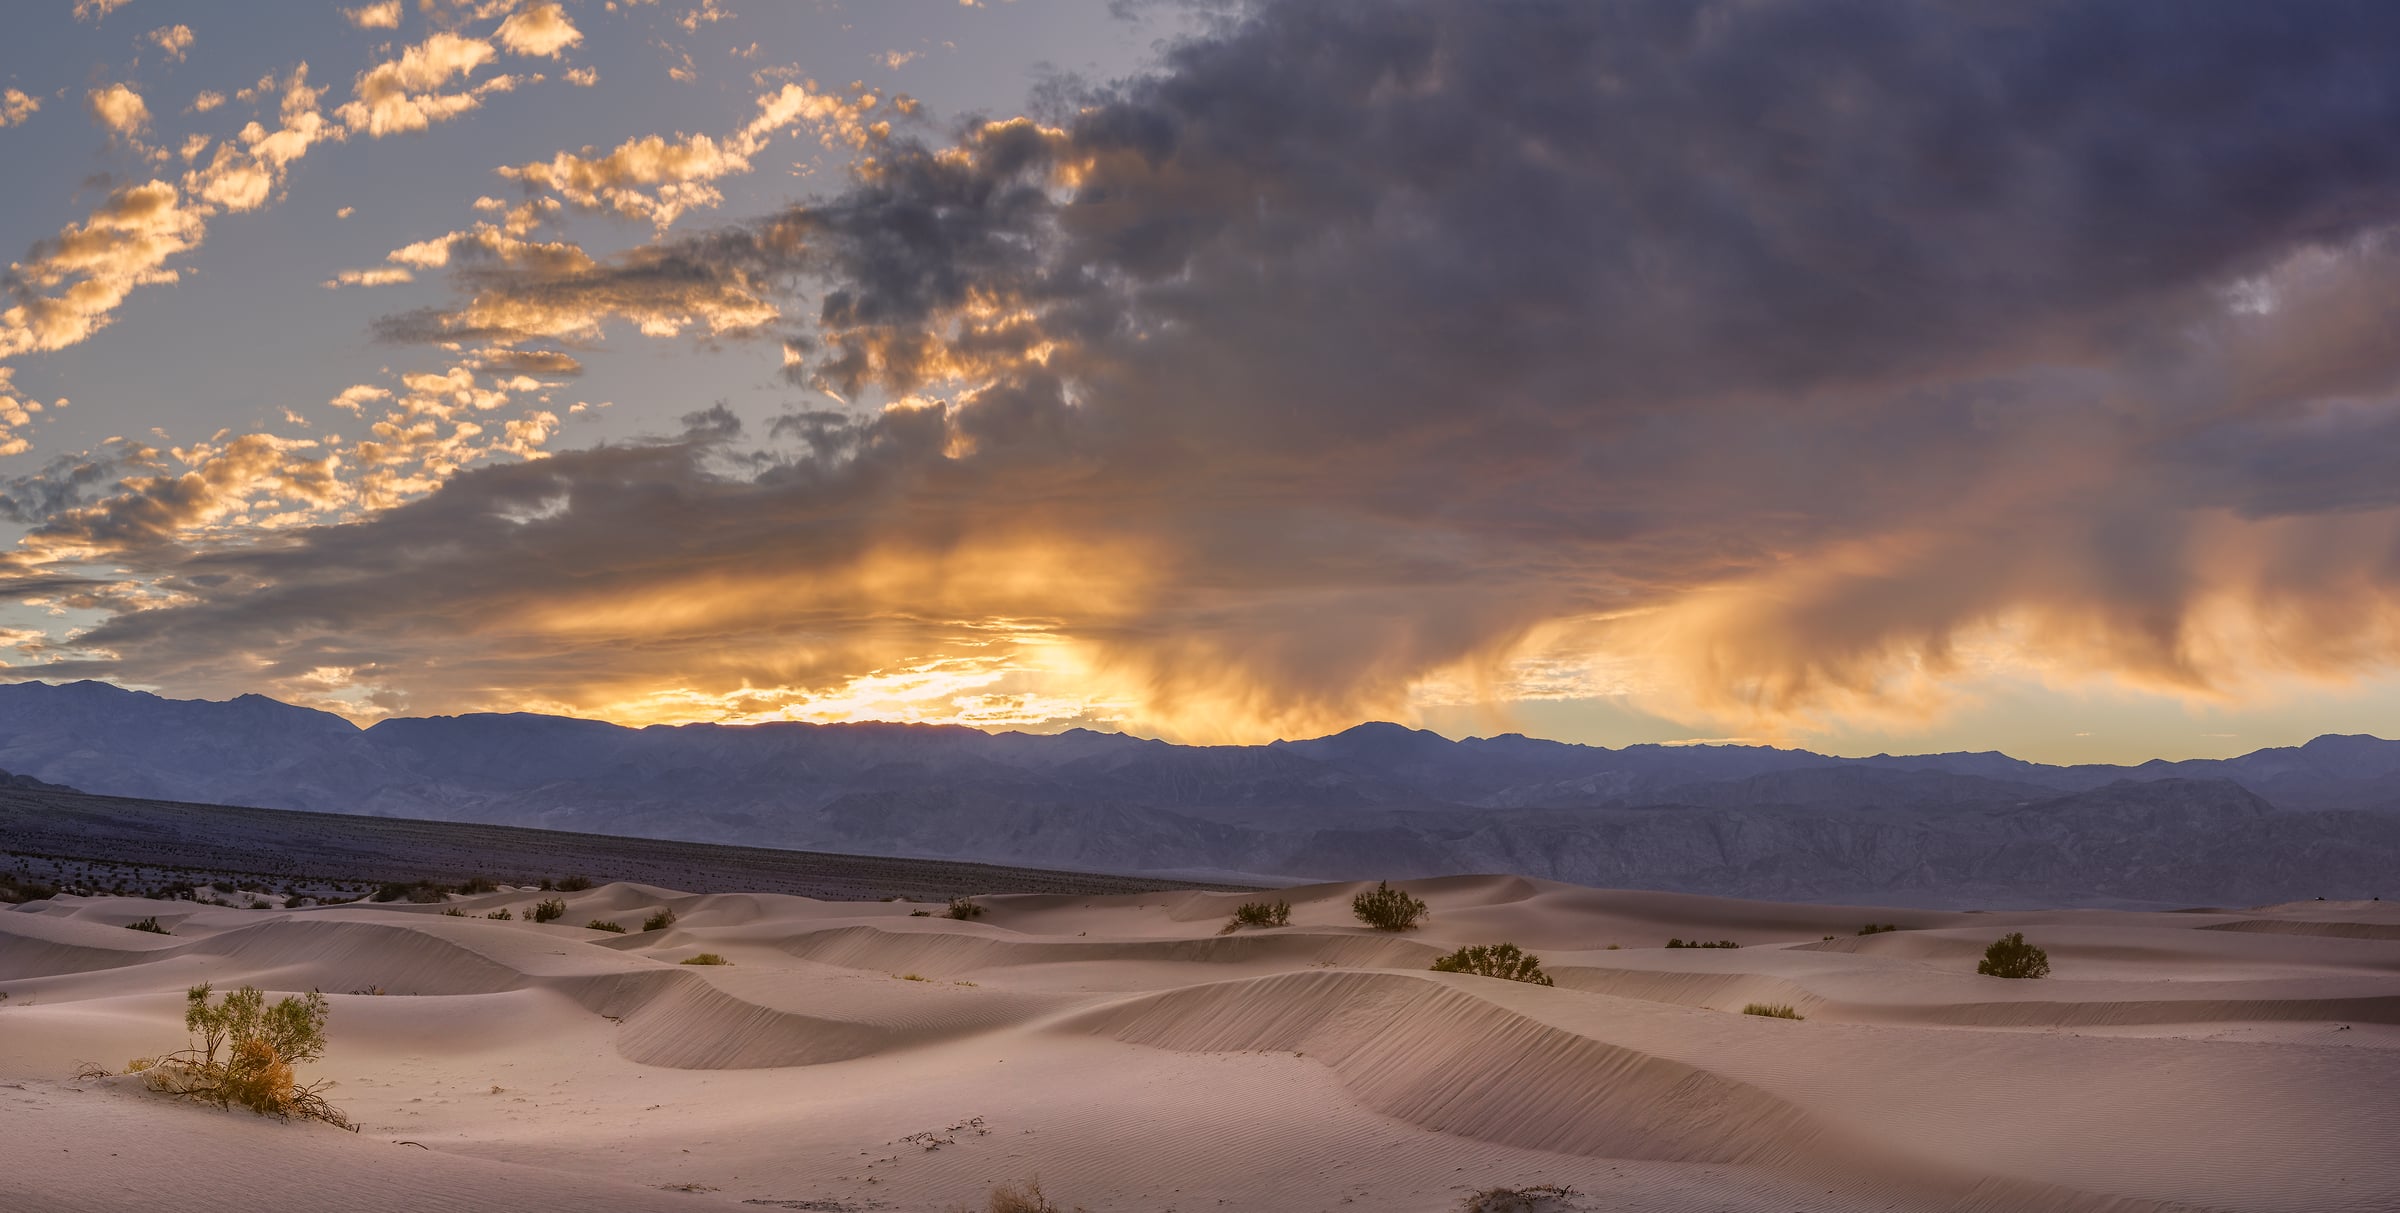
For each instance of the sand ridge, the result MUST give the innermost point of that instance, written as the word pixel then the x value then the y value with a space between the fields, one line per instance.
pixel 1134 1057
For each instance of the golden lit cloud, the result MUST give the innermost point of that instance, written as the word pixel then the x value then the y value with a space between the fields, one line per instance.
pixel 89 267
pixel 16 106
pixel 540 30
pixel 403 94
pixel 384 14
pixel 175 40
pixel 119 108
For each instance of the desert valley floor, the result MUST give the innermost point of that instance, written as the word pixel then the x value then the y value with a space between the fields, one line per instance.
pixel 856 1056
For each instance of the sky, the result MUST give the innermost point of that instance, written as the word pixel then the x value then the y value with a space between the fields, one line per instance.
pixel 1870 377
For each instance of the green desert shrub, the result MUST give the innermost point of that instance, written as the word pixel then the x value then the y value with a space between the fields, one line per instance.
pixel 2011 956
pixel 1501 960
pixel 1874 929
pixel 965 909
pixel 15 889
pixel 1722 943
pixel 149 924
pixel 1387 909
pixel 1260 914
pixel 453 912
pixel 659 921
pixel 479 884
pixel 707 958
pixel 548 909
pixel 574 884
pixel 501 915
pixel 242 1052
pixel 1772 1010
pixel 602 924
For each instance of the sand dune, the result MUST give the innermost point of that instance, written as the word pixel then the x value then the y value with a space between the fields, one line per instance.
pixel 1135 1058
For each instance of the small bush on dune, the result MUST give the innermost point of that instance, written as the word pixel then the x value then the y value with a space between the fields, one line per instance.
pixel 1501 960
pixel 602 924
pixel 1540 1198
pixel 1009 1198
pixel 1772 1010
pixel 1873 929
pixel 1722 943
pixel 2011 956
pixel 659 921
pixel 707 958
pixel 965 909
pixel 149 924
pixel 1260 914
pixel 574 884
pixel 501 915
pixel 242 1052
pixel 548 909
pixel 479 884
pixel 1387 909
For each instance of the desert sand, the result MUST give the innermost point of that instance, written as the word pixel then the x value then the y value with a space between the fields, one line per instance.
pixel 853 1056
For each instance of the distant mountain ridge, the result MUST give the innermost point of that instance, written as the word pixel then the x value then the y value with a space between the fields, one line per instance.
pixel 1378 799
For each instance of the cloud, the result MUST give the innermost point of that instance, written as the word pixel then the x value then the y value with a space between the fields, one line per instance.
pixel 582 77
pixel 385 14
pixel 119 108
pixel 403 94
pixel 246 170
pixel 175 40
pixel 541 30
pixel 95 10
pixel 378 276
pixel 1767 364
pixel 659 180
pixel 68 286
pixel 207 100
pixel 16 106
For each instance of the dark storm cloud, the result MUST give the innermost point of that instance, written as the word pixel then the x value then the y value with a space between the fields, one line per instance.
pixel 1800 339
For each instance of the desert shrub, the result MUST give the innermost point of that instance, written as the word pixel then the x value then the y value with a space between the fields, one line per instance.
pixel 1722 943
pixel 920 913
pixel 296 900
pixel 501 915
pixel 1772 1010
pixel 965 909
pixel 1540 1198
pixel 15 889
pixel 659 921
pixel 548 909
pixel 149 924
pixel 2011 956
pixel 1387 909
pixel 1873 929
pixel 574 884
pixel 242 1052
pixel 1501 960
pixel 224 886
pixel 1009 1198
pixel 453 912
pixel 1261 914
pixel 417 892
pixel 602 924
pixel 479 884
pixel 707 958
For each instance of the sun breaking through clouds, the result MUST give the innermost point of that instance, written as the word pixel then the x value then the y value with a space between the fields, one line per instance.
pixel 1780 370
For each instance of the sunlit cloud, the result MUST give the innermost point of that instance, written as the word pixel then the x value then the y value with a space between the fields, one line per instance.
pixel 175 40
pixel 384 14
pixel 16 106
pixel 119 108
pixel 404 94
pixel 540 30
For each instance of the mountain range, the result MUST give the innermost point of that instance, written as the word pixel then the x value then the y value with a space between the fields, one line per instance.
pixel 1961 829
